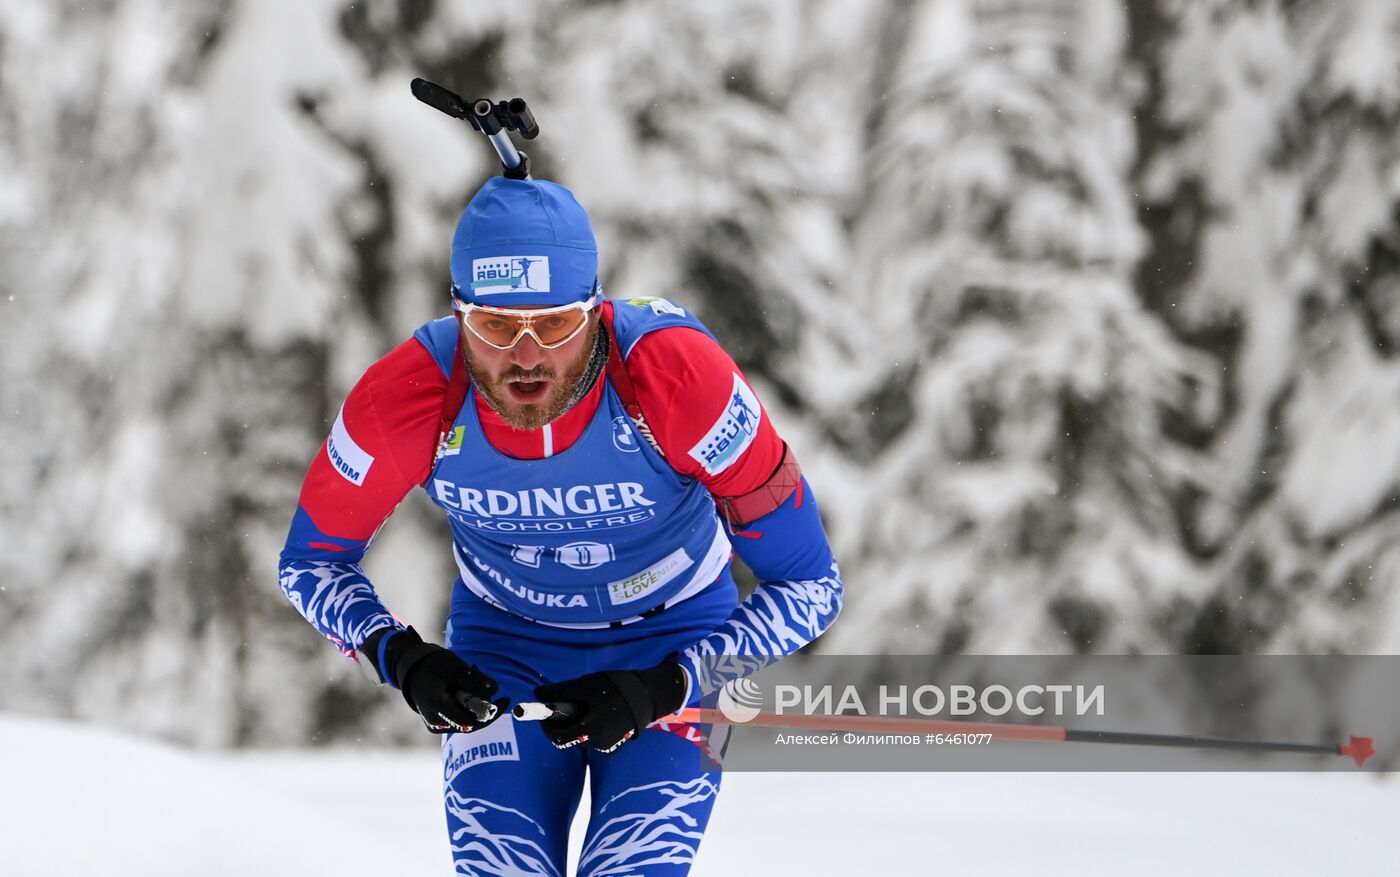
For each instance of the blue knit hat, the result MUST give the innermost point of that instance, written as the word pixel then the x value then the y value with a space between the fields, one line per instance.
pixel 523 242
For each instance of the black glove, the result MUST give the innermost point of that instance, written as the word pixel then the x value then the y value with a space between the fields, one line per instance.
pixel 609 708
pixel 447 693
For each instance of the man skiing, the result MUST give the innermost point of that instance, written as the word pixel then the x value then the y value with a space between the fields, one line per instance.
pixel 593 459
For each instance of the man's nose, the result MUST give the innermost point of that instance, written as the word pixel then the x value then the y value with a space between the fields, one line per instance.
pixel 526 353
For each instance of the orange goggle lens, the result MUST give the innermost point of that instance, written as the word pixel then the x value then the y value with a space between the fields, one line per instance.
pixel 503 329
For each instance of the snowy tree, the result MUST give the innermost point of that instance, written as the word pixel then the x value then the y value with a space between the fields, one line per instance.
pixel 1083 317
pixel 213 265
pixel 1016 482
pixel 1271 191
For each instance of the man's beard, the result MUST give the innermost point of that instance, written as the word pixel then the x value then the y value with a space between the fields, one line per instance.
pixel 533 415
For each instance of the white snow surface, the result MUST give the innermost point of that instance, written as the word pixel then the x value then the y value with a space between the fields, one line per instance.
pixel 84 800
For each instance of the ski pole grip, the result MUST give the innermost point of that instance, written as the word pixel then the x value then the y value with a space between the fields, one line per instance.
pixel 522 119
pixel 484 118
pixel 484 710
pixel 530 711
pixel 495 120
pixel 439 98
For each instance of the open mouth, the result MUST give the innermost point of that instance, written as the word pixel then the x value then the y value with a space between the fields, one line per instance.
pixel 528 391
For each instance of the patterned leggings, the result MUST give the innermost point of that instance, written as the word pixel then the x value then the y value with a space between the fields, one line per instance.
pixel 511 796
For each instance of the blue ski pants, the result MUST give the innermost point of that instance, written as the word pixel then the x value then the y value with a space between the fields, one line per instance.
pixel 511 795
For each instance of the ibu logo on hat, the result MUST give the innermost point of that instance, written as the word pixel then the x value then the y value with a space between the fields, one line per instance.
pixel 501 275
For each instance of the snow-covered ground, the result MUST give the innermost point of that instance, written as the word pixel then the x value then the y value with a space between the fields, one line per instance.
pixel 76 799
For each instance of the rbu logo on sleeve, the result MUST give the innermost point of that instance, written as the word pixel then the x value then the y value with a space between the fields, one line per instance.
pixel 348 458
pixel 732 433
pixel 502 274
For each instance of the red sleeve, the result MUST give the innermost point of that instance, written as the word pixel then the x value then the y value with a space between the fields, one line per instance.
pixel 714 428
pixel 381 444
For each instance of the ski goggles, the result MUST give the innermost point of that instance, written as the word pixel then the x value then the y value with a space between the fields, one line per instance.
pixel 503 328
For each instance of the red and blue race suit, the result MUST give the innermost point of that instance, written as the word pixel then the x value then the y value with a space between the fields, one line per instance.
pixel 580 547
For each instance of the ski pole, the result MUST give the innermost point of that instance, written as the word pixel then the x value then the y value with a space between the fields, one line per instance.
pixel 530 711
pixel 491 119
pixel 1357 748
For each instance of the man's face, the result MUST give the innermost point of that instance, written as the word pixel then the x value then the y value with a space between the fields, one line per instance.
pixel 529 385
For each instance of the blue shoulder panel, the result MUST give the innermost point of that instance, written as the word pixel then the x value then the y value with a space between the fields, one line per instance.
pixel 440 337
pixel 635 317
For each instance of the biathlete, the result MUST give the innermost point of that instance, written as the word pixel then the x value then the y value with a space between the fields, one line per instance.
pixel 594 458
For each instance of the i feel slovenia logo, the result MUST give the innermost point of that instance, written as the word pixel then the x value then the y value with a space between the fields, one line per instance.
pixel 740 700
